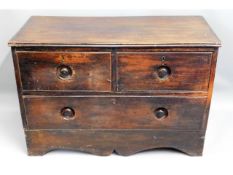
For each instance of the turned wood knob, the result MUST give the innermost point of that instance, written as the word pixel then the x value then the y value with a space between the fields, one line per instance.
pixel 67 113
pixel 64 72
pixel 163 72
pixel 161 113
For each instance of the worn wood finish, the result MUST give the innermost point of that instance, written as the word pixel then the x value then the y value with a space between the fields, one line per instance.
pixel 105 142
pixel 139 71
pixel 211 86
pixel 160 31
pixel 19 87
pixel 115 112
pixel 156 93
pixel 91 71
pixel 123 48
pixel 92 84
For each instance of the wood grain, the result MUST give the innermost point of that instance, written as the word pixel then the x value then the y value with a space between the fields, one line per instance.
pixel 110 99
pixel 91 71
pixel 115 112
pixel 105 142
pixel 138 71
pixel 150 31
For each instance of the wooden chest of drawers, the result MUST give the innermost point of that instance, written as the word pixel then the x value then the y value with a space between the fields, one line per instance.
pixel 123 84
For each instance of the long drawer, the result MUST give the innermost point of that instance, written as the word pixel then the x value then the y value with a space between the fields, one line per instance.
pixel 103 112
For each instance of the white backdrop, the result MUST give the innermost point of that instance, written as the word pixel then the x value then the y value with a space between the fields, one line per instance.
pixel 218 152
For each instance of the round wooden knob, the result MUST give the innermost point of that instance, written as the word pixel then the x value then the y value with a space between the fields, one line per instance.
pixel 161 113
pixel 67 113
pixel 64 72
pixel 163 72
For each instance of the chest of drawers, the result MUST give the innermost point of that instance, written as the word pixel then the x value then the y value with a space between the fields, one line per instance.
pixel 115 84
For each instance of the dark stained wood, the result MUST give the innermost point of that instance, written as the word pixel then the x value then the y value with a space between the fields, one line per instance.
pixel 150 30
pixel 19 87
pixel 157 93
pixel 108 97
pixel 139 71
pixel 115 112
pixel 109 48
pixel 105 142
pixel 211 86
pixel 91 71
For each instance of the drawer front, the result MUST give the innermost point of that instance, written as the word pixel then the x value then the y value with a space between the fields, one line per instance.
pixel 86 71
pixel 163 71
pixel 114 112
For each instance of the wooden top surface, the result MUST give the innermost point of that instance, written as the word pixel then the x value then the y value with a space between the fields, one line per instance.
pixel 116 31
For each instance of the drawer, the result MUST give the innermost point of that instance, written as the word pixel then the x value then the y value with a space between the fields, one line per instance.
pixel 85 71
pixel 163 71
pixel 114 112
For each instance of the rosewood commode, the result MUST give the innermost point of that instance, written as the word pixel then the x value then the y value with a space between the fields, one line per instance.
pixel 123 84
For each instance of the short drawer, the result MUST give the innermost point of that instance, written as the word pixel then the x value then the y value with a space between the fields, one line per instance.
pixel 114 112
pixel 163 71
pixel 85 71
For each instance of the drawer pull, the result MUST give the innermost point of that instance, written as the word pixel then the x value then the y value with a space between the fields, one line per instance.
pixel 161 113
pixel 67 113
pixel 163 72
pixel 64 72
